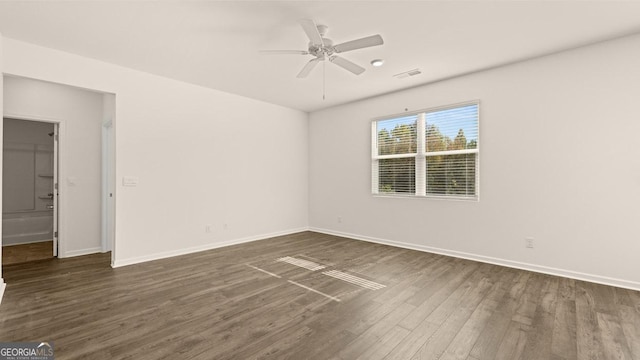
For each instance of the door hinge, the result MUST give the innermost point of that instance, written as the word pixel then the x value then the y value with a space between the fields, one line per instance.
pixel 55 186
pixel 55 234
pixel 56 137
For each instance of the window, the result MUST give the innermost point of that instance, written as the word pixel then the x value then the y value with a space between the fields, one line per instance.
pixel 432 153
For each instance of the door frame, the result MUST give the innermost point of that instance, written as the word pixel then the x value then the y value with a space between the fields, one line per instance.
pixel 60 172
pixel 108 188
pixel 56 185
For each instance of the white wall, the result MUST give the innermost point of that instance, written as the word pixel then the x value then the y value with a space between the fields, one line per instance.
pixel 80 156
pixel 558 162
pixel 202 157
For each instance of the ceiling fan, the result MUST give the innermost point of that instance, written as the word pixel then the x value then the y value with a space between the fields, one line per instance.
pixel 322 48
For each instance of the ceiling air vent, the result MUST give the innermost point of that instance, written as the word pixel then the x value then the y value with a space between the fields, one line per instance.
pixel 406 74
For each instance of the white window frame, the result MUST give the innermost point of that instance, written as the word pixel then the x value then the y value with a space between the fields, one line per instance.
pixel 421 155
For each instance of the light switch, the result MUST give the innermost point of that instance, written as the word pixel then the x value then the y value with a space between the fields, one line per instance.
pixel 129 181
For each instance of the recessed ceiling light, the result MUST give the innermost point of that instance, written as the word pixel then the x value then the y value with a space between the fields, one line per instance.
pixel 377 62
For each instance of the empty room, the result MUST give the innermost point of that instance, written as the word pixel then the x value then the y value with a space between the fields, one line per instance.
pixel 409 180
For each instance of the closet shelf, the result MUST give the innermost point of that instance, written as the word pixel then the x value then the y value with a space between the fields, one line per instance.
pixel 46 175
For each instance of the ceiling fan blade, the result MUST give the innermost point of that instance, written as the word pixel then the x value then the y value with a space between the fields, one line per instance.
pixel 373 40
pixel 284 52
pixel 308 67
pixel 347 65
pixel 311 29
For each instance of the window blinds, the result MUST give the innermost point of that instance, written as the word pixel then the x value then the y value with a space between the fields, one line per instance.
pixel 442 161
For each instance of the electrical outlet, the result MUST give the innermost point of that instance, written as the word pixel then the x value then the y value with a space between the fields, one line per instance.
pixel 339 219
pixel 528 242
pixel 225 226
pixel 207 229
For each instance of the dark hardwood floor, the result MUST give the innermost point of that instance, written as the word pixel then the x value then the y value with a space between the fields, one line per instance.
pixel 16 254
pixel 261 301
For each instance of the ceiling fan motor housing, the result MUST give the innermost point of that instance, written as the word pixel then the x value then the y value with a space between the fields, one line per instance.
pixel 319 50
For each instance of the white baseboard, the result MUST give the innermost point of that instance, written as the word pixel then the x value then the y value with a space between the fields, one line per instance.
pixel 627 284
pixel 3 286
pixel 210 246
pixel 81 252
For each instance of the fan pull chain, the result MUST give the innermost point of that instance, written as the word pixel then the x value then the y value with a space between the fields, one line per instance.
pixel 324 78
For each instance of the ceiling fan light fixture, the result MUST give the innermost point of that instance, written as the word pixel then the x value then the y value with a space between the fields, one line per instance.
pixel 321 49
pixel 377 62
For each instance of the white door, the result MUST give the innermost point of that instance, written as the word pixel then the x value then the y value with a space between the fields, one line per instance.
pixel 55 190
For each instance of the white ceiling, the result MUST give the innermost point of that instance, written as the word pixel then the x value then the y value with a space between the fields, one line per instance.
pixel 215 43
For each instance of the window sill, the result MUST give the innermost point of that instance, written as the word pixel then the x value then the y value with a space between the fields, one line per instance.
pixel 429 197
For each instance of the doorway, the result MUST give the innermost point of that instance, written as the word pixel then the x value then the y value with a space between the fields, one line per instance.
pixel 80 114
pixel 30 190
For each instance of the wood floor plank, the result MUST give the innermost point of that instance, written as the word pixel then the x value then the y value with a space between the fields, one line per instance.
pixel 424 331
pixel 514 341
pixel 374 333
pixel 293 338
pixel 588 337
pixel 372 318
pixel 464 341
pixel 563 340
pixel 563 343
pixel 385 344
pixel 630 322
pixel 492 335
pixel 443 292
pixel 538 343
pixel 528 302
pixel 211 305
pixel 412 342
pixel 613 336
pixel 450 327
